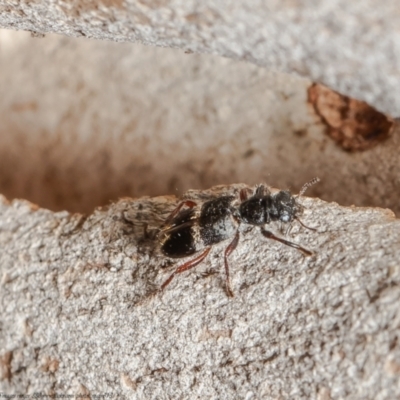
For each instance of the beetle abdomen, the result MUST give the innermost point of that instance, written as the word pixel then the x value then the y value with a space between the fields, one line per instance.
pixel 179 243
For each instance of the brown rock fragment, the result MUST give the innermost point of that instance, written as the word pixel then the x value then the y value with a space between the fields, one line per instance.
pixel 352 124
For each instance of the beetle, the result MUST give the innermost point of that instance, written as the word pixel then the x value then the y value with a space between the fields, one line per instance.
pixel 189 230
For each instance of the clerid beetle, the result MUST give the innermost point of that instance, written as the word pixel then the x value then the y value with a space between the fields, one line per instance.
pixel 189 230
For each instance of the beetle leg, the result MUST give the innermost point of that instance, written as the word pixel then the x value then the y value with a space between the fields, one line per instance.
pixel 228 251
pixel 188 265
pixel 285 229
pixel 187 203
pixel 270 235
pixel 305 226
pixel 243 195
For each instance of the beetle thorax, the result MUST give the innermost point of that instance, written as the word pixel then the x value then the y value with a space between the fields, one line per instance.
pixel 253 211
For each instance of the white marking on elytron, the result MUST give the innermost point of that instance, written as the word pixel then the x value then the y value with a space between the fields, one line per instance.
pixel 198 243
pixel 226 227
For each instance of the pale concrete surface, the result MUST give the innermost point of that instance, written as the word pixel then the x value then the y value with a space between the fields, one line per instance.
pixel 86 122
pixel 351 46
pixel 79 313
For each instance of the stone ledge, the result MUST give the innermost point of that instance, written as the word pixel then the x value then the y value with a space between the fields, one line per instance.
pixel 80 313
pixel 353 47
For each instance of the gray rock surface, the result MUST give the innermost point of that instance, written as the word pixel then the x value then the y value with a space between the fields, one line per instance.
pixel 83 122
pixel 353 47
pixel 80 313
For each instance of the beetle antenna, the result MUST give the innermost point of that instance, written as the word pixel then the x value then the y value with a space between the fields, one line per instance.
pixel 307 185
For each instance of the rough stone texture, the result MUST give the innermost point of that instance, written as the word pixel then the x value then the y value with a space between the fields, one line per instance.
pixel 354 47
pixel 128 120
pixel 80 314
pixel 83 122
